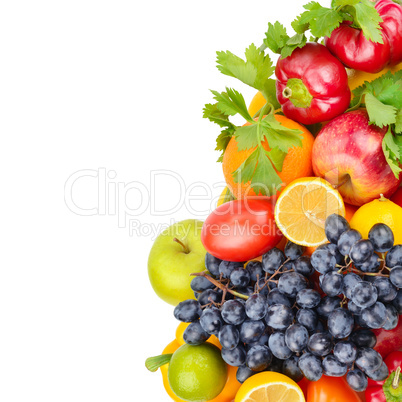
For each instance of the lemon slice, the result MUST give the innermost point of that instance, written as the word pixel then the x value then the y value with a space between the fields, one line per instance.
pixel 303 207
pixel 269 386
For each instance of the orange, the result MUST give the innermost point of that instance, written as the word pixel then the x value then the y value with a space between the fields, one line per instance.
pixel 356 78
pixel 302 208
pixel 269 386
pixel 297 162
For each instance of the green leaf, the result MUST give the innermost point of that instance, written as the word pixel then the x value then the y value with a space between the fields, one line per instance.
pixel 337 3
pixel 369 20
pixel 269 93
pixel 398 122
pixel 392 148
pixel 231 102
pixel 244 173
pixel 212 113
pixel 296 41
pixel 387 89
pixel 380 114
pixel 277 157
pixel 276 37
pixel 247 137
pixel 298 26
pixel 222 142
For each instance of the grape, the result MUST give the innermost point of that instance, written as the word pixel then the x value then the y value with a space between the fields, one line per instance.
pixel 262 340
pixel 310 366
pixel 188 310
pixel 233 312
pixel 211 320
pixel 234 357
pixel 243 372
pixel 320 344
pixel 200 283
pixel 347 240
pixel 363 338
pixel 291 283
pixel 353 308
pixel 194 334
pixel 371 265
pixel 251 330
pixel 293 251
pixel 381 237
pixel 276 365
pixel 212 264
pixel 226 268
pixel 256 307
pixel 392 317
pixel 385 289
pixel 397 302
pixel 327 306
pixel 340 323
pixel 395 276
pixel 319 328
pixel 247 291
pixel 323 261
pixel 333 249
pixel 332 283
pixel 296 338
pixel 349 282
pixel 272 260
pixel 276 297
pixel 375 316
pixel 258 358
pixel 335 225
pixel 229 336
pixel 333 367
pixel 394 256
pixel 380 374
pixel 357 380
pixel 361 251
pixel 345 352
pixel 279 316
pixel 308 318
pixel 368 359
pixel 255 271
pixel 308 298
pixel 364 294
pixel 303 266
pixel 277 344
pixel 291 368
pixel 208 296
pixel 240 277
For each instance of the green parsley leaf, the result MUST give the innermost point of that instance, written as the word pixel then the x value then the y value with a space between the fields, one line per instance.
pixel 212 113
pixel 369 20
pixel 222 142
pixel 296 41
pixel 398 122
pixel 231 102
pixel 277 157
pixel 392 152
pixel 276 37
pixel 337 3
pixel 298 26
pixel 247 136
pixel 380 114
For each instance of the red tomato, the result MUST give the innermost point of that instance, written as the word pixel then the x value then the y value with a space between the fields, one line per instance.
pixel 241 230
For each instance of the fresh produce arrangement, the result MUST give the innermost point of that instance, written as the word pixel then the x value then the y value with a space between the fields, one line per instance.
pixel 291 289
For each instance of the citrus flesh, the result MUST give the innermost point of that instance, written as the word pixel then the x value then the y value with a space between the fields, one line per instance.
pixel 269 386
pixel 302 208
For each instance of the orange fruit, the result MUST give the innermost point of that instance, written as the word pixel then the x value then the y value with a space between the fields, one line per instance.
pixel 303 207
pixel 356 78
pixel 269 386
pixel 231 387
pixel 297 162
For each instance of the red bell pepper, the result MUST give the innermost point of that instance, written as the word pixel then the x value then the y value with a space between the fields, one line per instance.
pixel 388 341
pixel 356 51
pixel 312 85
pixel 389 390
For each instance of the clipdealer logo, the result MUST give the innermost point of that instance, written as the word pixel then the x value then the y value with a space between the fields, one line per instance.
pixel 98 192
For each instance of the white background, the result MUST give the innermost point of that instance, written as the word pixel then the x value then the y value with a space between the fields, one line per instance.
pixel 117 86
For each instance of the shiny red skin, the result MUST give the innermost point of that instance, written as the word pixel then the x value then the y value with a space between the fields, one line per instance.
pixel 241 230
pixel 374 391
pixel 388 341
pixel 397 197
pixel 324 77
pixel 357 52
pixel 348 145
pixel 391 14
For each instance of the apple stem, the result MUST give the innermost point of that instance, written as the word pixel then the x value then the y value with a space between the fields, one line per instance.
pixel 342 182
pixel 186 250
pixel 395 382
pixel 153 363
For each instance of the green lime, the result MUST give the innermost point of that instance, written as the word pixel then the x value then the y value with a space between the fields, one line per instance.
pixel 197 373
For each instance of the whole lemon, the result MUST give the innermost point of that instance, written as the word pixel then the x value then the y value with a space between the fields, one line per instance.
pixel 378 211
pixel 197 373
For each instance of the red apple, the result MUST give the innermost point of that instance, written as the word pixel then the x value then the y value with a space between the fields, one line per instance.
pixel 348 153
pixel 397 197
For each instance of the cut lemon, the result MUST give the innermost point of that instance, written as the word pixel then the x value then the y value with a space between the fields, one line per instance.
pixel 303 207
pixel 269 386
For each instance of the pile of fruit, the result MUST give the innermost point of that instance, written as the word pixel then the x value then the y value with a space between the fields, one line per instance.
pixel 291 290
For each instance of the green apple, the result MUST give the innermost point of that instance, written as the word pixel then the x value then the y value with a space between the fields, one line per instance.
pixel 176 253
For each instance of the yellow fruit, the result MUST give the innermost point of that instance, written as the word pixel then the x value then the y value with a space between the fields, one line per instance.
pixel 225 197
pixel 302 208
pixel 378 211
pixel 256 103
pixel 269 386
pixel 356 78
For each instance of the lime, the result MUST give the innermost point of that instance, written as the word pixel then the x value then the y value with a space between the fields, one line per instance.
pixel 197 373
